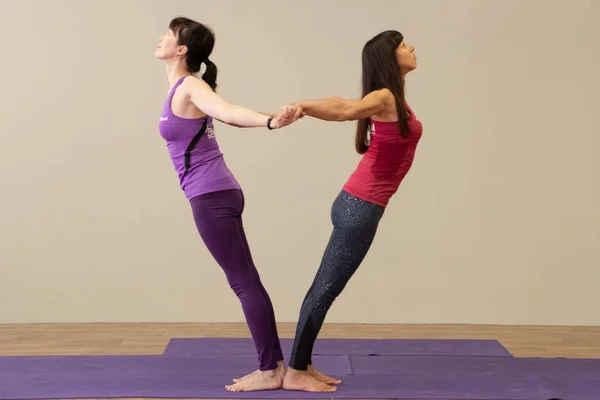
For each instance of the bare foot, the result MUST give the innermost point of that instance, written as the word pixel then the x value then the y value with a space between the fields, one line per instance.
pixel 305 381
pixel 251 374
pixel 262 380
pixel 280 370
pixel 322 377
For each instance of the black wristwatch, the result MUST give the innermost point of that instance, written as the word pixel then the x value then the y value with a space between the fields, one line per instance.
pixel 269 123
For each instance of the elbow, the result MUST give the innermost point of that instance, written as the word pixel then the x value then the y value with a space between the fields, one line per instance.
pixel 347 111
pixel 228 121
pixel 341 110
pixel 229 115
pixel 346 114
pixel 235 124
pixel 230 118
pixel 342 118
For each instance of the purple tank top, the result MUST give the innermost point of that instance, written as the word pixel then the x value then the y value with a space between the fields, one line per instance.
pixel 195 152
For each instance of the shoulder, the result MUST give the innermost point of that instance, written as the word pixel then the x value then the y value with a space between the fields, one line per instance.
pixel 192 83
pixel 377 98
pixel 384 94
pixel 380 100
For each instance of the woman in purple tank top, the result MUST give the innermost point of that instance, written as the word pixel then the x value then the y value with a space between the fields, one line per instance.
pixel 216 199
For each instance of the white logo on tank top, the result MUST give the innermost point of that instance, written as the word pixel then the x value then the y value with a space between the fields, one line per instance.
pixel 210 133
pixel 162 119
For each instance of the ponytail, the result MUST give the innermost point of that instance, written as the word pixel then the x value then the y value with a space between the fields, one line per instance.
pixel 210 75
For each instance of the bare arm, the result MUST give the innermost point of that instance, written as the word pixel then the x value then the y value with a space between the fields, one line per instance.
pixel 212 104
pixel 339 109
pixel 267 114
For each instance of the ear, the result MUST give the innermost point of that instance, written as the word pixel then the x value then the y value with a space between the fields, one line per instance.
pixel 181 50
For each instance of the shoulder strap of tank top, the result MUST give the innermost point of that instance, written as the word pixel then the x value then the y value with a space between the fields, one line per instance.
pixel 176 85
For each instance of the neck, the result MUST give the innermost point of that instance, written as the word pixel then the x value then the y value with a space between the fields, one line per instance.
pixel 403 73
pixel 175 70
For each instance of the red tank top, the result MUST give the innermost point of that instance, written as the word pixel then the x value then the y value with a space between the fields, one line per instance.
pixel 386 162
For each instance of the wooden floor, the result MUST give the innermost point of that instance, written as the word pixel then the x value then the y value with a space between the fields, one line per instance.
pixel 143 338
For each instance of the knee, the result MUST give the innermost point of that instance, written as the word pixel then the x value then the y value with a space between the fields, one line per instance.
pixel 325 298
pixel 245 287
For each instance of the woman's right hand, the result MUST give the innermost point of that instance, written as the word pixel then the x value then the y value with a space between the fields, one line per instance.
pixel 288 115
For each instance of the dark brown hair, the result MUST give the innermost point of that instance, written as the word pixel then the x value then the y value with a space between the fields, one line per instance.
pixel 380 71
pixel 200 41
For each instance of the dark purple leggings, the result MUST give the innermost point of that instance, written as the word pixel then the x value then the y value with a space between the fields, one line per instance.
pixel 218 217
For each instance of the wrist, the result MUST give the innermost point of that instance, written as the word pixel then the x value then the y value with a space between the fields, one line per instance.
pixel 272 123
pixel 305 105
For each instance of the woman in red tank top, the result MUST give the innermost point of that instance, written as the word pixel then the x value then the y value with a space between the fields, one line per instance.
pixel 387 135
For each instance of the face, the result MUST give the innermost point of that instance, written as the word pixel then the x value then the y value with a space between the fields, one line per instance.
pixel 407 60
pixel 167 46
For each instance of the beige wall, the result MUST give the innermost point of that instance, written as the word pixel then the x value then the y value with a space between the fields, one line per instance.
pixel 498 221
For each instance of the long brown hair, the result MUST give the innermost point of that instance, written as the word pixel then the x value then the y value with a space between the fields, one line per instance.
pixel 380 70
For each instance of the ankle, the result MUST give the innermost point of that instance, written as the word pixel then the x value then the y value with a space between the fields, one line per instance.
pixel 295 372
pixel 270 372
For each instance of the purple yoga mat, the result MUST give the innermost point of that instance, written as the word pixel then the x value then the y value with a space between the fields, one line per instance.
pixel 81 385
pixel 431 347
pixel 412 369
pixel 401 365
pixel 374 377
pixel 512 386
pixel 564 378
pixel 233 366
pixel 68 377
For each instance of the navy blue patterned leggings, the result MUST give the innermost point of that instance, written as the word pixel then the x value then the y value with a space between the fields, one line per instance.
pixel 355 222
